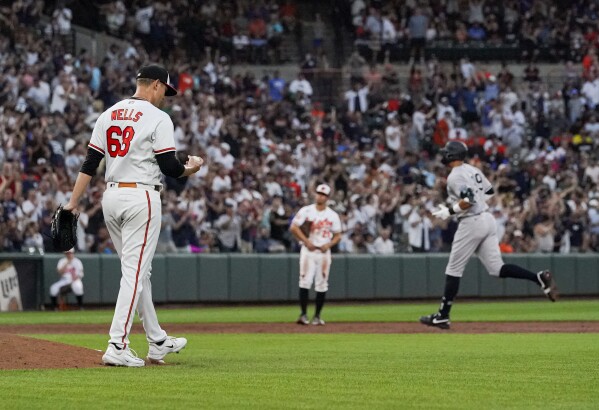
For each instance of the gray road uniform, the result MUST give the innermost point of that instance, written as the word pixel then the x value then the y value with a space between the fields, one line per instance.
pixel 477 232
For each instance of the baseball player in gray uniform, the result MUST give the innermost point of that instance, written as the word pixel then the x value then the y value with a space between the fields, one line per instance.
pixel 468 191
pixel 135 137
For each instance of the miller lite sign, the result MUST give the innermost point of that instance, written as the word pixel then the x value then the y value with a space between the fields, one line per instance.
pixel 10 294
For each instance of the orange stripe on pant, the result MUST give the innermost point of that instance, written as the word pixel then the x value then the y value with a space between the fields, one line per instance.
pixel 141 254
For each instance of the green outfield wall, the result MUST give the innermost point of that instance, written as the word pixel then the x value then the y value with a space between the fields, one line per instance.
pixel 274 278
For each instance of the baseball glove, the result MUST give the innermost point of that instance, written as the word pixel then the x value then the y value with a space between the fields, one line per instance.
pixel 305 228
pixel 467 192
pixel 63 230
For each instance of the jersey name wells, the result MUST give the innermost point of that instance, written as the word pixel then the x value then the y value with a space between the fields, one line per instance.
pixel 127 114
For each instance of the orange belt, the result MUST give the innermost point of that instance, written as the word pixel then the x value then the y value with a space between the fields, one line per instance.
pixel 134 185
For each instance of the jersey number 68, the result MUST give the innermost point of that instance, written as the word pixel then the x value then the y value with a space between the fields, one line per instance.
pixel 116 147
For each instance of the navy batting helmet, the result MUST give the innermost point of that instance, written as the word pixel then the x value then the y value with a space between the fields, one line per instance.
pixel 454 151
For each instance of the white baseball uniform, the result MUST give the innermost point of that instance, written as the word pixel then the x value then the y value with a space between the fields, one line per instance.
pixel 315 265
pixel 130 134
pixel 71 276
pixel 477 230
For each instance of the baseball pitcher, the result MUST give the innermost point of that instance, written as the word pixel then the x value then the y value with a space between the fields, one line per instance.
pixel 468 191
pixel 136 138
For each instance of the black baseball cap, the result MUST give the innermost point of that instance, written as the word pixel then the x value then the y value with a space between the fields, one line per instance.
pixel 157 72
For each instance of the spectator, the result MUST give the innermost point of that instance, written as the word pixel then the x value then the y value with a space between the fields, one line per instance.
pixel 165 239
pixel 318 28
pixel 300 86
pixel 477 32
pixel 419 230
pixel 61 21
pixel 383 244
pixel 229 228
pixel 116 14
pixel 274 34
pixel 258 40
pixel 357 98
pixel 276 87
pixel 417 27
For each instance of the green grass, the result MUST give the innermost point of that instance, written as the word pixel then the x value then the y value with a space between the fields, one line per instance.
pixel 372 312
pixel 338 371
pixel 266 371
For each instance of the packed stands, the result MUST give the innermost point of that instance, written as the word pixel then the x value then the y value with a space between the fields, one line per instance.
pixel 270 139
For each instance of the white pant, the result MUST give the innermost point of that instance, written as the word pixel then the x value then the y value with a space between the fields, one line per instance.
pixel 76 286
pixel 314 267
pixel 133 218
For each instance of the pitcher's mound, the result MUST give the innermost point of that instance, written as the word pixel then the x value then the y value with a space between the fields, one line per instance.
pixel 18 352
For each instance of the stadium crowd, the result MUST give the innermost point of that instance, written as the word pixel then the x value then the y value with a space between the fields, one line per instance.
pixel 267 142
pixel 533 25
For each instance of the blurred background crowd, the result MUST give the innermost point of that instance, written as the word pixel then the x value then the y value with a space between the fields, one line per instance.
pixel 268 140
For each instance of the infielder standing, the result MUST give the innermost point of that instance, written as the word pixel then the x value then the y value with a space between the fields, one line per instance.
pixel 70 270
pixel 136 138
pixel 469 190
pixel 315 255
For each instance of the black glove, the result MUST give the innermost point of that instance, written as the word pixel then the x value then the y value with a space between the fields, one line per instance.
pixel 467 192
pixel 63 230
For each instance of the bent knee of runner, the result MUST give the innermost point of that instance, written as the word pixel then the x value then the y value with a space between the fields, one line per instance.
pixel 493 266
pixel 456 273
pixel 494 271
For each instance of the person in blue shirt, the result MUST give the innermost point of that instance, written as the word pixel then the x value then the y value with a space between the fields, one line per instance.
pixel 477 32
pixel 276 87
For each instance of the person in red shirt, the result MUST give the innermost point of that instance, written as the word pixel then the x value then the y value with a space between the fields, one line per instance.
pixel 288 11
pixel 440 136
pixel 589 61
pixel 185 82
pixel 257 30
pixel 10 179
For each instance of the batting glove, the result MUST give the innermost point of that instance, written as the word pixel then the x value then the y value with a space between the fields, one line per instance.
pixel 467 194
pixel 442 213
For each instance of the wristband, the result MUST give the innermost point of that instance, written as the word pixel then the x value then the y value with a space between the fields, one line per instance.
pixel 455 209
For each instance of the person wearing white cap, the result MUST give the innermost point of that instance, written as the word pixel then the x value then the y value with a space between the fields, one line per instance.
pixel 224 157
pixel 315 255
pixel 70 269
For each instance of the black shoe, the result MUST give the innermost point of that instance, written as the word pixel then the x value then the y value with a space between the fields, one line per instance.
pixel 548 284
pixel 436 320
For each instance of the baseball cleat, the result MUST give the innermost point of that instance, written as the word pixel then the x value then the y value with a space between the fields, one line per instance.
pixel 436 320
pixel 157 351
pixel 303 320
pixel 121 357
pixel 316 321
pixel 548 284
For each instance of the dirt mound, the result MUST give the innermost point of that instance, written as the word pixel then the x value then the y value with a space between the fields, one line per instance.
pixel 18 352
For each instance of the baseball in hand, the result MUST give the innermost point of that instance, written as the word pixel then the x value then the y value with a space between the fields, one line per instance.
pixel 194 161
